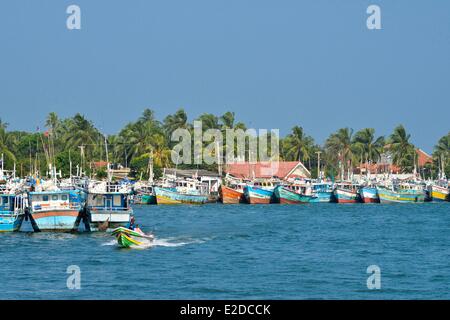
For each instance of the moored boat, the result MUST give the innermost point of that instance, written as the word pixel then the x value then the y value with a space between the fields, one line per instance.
pixel 323 192
pixel 232 194
pixel 440 192
pixel 57 210
pixel 173 196
pixel 291 194
pixel 346 193
pixel 107 206
pixel 369 194
pixel 144 195
pixel 12 211
pixel 258 195
pixel 398 194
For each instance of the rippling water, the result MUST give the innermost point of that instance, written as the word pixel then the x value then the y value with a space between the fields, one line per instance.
pixel 244 252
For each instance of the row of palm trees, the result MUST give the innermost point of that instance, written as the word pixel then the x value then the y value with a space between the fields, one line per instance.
pixel 76 137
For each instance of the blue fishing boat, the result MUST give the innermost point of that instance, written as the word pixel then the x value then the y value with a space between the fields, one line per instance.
pixel 258 194
pixel 346 193
pixel 291 194
pixel 107 206
pixel 323 192
pixel 57 210
pixel 399 194
pixel 167 195
pixel 12 211
pixel 369 194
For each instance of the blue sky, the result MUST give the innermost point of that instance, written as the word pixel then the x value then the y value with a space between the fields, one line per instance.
pixel 276 64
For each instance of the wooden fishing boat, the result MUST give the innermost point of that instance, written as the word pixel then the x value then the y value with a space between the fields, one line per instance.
pixel 440 192
pixel 107 206
pixel 322 192
pixel 57 210
pixel 258 194
pixel 369 194
pixel 172 196
pixel 127 238
pixel 346 193
pixel 400 194
pixel 232 194
pixel 12 211
pixel 291 194
pixel 143 190
pixel 145 195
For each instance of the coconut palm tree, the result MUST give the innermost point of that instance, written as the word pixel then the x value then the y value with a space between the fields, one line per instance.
pixel 6 141
pixel 401 149
pixel 176 121
pixel 441 154
pixel 82 132
pixel 298 146
pixel 53 123
pixel 209 121
pixel 161 154
pixel 340 148
pixel 371 148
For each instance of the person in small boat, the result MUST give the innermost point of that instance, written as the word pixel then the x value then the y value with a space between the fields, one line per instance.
pixel 131 225
pixel 137 229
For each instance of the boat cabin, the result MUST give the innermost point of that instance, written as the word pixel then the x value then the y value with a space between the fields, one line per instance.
pixel 6 203
pixel 108 201
pixel 54 200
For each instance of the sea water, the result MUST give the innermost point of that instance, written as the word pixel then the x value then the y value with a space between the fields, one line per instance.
pixel 314 251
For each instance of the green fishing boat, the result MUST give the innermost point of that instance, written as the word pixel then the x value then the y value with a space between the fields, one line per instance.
pixel 127 238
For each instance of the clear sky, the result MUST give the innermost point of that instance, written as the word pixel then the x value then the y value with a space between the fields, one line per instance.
pixel 274 63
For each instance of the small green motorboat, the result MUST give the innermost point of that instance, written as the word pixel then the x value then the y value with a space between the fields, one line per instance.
pixel 127 238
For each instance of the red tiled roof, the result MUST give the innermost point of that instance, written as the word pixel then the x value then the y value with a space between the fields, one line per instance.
pixel 100 164
pixel 423 157
pixel 280 169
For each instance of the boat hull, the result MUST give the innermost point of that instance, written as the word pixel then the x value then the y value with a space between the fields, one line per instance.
pixel 56 220
pixel 346 196
pixel 11 223
pixel 127 238
pixel 285 196
pixel 231 196
pixel 389 196
pixel 169 196
pixel 440 194
pixel 258 195
pixel 107 220
pixel 369 195
pixel 323 197
pixel 146 199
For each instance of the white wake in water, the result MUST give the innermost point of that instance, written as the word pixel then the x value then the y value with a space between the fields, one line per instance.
pixel 173 242
pixel 110 243
pixel 163 242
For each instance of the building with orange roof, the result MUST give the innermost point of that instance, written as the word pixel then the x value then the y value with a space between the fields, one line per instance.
pixel 266 170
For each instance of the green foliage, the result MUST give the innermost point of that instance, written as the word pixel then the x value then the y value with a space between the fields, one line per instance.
pixel 63 160
pixel 147 136
pixel 101 173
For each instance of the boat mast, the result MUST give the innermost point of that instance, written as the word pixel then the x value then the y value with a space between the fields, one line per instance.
pixel 82 160
pixel 150 167
pixel 107 160
pixel 318 164
pixel 219 162
pixel 2 168
pixel 70 166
